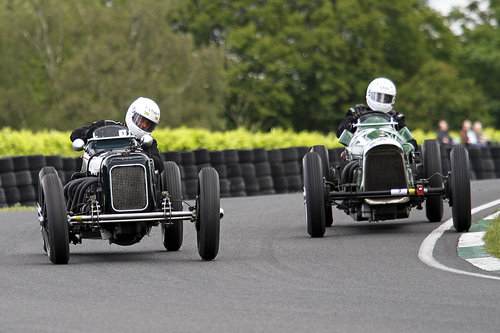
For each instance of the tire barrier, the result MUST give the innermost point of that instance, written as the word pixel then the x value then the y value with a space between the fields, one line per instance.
pixel 243 172
pixel 19 176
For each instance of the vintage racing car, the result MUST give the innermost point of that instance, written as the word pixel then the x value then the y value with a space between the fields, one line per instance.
pixel 384 177
pixel 119 196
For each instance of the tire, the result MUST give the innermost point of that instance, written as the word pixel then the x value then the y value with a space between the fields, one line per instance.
pixel 27 193
pixel 230 156
pixel 36 162
pixel 201 156
pixel 251 186
pixel 190 187
pixel 12 195
pixel 314 199
pixel 259 155
pixel 225 187
pixel 216 157
pixel 23 178
pixel 248 170
pixel 325 171
pixel 20 163
pixel 274 156
pixel 208 214
pixel 460 189
pixel 233 170
pixel 55 160
pixel 171 181
pixel 42 173
pixel 6 165
pixel 289 154
pixel 280 184
pixel 294 183
pixel 291 168
pixel 173 156
pixel 69 164
pixel 262 169
pixel 187 158
pixel 55 226
pixel 245 156
pixel 189 172
pixel 3 199
pixel 432 171
pixel 8 179
pixel 221 170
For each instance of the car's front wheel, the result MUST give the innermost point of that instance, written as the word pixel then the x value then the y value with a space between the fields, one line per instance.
pixel 460 189
pixel 325 170
pixel 55 221
pixel 432 172
pixel 172 234
pixel 314 199
pixel 208 213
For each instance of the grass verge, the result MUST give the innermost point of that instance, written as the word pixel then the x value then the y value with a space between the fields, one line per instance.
pixel 492 238
pixel 17 208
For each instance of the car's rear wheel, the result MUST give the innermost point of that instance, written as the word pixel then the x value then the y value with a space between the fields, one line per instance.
pixel 55 225
pixel 208 213
pixel 325 170
pixel 314 199
pixel 460 189
pixel 432 172
pixel 172 234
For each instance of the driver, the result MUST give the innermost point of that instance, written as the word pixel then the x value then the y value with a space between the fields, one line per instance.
pixel 142 117
pixel 380 96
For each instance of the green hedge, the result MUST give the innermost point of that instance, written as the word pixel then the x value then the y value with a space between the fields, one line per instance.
pixel 49 142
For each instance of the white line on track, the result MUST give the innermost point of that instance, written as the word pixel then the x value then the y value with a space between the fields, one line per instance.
pixel 425 253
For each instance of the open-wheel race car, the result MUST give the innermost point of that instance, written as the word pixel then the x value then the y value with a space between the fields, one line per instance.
pixel 383 177
pixel 119 196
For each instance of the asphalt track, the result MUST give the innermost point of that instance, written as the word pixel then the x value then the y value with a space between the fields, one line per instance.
pixel 268 276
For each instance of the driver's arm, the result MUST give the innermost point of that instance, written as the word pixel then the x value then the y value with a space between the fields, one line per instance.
pixel 351 117
pixel 86 132
pixel 154 153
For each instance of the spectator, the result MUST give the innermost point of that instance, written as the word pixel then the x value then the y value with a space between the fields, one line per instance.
pixel 443 136
pixel 477 128
pixel 467 135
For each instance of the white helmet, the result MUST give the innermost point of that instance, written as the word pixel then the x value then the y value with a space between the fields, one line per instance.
pixel 142 116
pixel 381 94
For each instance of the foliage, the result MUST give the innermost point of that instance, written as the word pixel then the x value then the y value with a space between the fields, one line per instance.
pixel 300 64
pixel 257 64
pixel 65 64
pixel 16 208
pixel 436 92
pixel 492 238
pixel 479 54
pixel 51 142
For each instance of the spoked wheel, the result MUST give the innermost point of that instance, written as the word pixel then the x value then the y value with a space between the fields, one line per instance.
pixel 460 189
pixel 208 213
pixel 55 225
pixel 325 171
pixel 432 171
pixel 314 198
pixel 172 234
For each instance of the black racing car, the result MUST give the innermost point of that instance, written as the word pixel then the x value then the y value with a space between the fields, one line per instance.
pixel 119 196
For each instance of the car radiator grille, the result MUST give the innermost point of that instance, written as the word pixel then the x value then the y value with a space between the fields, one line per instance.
pixel 384 169
pixel 128 188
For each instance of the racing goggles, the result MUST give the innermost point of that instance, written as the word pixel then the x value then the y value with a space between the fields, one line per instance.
pixel 143 123
pixel 382 98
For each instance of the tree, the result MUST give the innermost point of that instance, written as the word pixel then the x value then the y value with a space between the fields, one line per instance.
pixel 86 60
pixel 300 64
pixel 479 55
pixel 438 92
